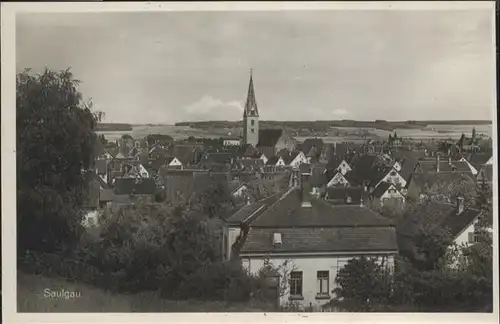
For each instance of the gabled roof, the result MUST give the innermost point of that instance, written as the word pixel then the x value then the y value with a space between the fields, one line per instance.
pixel 445 181
pixel 273 160
pixel 313 239
pixel 218 158
pixel 436 215
pixel 247 150
pixel 486 172
pixel 129 186
pixel 290 157
pixel 249 164
pixel 288 213
pixel 305 168
pixel 444 166
pixel 381 189
pixel 101 166
pixel 477 159
pixel 339 195
pixel 269 137
pixel 312 146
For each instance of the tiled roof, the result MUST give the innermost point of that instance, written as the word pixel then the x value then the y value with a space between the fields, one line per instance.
pixel 305 168
pixel 436 215
pixel 339 195
pixel 245 212
pixel 381 189
pixel 445 181
pixel 247 150
pixel 218 158
pixel 101 166
pixel 124 186
pixel 273 160
pixel 407 168
pixel 486 172
pixel 318 177
pixel 402 155
pixel 106 195
pixel 444 166
pixel 288 213
pixel 128 186
pixel 187 154
pixel 343 239
pixel 288 158
pixel 269 137
pixel 477 159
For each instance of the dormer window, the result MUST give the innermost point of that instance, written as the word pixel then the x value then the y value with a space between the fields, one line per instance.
pixel 277 241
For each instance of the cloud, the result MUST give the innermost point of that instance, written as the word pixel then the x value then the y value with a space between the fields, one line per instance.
pixel 210 108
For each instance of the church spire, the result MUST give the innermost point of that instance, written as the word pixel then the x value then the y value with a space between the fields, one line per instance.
pixel 251 103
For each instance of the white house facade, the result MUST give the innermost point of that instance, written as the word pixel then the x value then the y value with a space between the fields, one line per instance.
pixel 393 177
pixel 311 276
pixel 397 166
pixel 264 158
pixel 175 162
pixel 298 160
pixel 337 180
pixel 344 167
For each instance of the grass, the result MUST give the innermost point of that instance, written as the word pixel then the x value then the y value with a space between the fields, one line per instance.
pixel 31 298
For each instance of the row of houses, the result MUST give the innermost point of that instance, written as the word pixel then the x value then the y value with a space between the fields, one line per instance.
pixel 327 216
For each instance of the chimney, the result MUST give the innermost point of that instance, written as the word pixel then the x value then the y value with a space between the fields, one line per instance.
pixel 437 162
pixel 305 192
pixel 460 205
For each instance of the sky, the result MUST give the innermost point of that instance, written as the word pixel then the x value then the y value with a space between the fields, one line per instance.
pixel 166 67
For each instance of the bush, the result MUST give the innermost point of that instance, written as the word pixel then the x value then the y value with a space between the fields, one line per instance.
pixel 219 281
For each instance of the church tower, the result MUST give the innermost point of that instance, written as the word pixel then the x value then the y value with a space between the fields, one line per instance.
pixel 251 117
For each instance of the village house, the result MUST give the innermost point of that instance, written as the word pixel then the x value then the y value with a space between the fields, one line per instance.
pixel 347 196
pixel 456 217
pixel 238 223
pixel 272 141
pixel 276 161
pixel 485 174
pixel 393 177
pixel 438 165
pixel 445 185
pixel 338 180
pixel 317 239
pixel 387 194
pixel 293 159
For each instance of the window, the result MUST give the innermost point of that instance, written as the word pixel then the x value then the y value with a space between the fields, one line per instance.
pixel 473 238
pixel 253 130
pixel 296 283
pixel 252 122
pixel 323 283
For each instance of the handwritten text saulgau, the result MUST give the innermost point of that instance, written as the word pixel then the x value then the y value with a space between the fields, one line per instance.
pixel 61 294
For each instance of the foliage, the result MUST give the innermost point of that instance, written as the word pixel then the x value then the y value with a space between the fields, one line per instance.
pixel 55 141
pixel 226 281
pixel 149 246
pixel 363 281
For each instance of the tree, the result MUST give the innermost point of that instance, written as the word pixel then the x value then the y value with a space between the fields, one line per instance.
pixel 55 142
pixel 149 246
pixel 361 283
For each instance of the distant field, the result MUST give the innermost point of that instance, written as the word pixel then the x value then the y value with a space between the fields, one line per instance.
pixel 30 298
pixel 423 133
